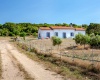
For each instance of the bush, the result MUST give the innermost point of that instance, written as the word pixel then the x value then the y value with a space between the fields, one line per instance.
pixel 56 41
pixel 92 40
pixel 82 39
pixel 35 34
pixel 23 34
pixel 95 40
pixel 78 38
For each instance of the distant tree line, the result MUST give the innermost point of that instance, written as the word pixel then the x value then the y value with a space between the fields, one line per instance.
pixel 19 29
pixel 14 29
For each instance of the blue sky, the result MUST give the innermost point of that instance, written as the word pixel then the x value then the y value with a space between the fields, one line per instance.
pixel 50 11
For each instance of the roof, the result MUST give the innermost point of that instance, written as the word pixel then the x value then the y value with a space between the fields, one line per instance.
pixel 45 28
pixel 61 27
pixel 79 29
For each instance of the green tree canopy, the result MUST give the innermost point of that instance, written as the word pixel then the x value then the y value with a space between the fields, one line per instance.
pixel 56 41
pixel 93 28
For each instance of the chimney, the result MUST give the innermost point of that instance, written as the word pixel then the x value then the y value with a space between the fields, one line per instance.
pixel 71 25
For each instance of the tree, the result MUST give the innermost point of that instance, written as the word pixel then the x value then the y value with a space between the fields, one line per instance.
pixel 35 34
pixel 78 38
pixel 23 34
pixel 10 26
pixel 85 26
pixel 56 41
pixel 93 28
pixel 95 40
pixel 82 39
pixel 85 40
pixel 1 26
pixel 4 32
pixel 64 24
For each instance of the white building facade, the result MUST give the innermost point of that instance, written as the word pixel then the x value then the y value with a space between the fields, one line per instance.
pixel 61 32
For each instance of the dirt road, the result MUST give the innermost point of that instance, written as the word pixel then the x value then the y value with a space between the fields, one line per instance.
pixel 11 57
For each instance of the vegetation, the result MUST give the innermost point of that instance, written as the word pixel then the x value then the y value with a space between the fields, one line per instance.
pixel 82 39
pixel 23 34
pixel 56 41
pixel 35 34
pixel 93 28
pixel 76 68
pixel 53 63
pixel 15 29
pixel 93 40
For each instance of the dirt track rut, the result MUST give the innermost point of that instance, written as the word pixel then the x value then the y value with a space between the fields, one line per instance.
pixel 34 69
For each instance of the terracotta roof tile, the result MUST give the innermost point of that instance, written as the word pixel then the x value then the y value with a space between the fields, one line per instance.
pixel 79 29
pixel 61 27
pixel 45 28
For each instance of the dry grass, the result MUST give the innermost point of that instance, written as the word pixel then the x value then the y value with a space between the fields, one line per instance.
pixel 43 46
pixel 4 38
pixel 77 56
pixel 0 66
pixel 50 64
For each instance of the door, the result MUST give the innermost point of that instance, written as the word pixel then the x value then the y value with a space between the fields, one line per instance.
pixel 39 36
pixel 64 35
pixel 48 34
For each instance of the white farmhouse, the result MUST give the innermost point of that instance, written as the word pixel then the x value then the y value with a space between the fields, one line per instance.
pixel 59 31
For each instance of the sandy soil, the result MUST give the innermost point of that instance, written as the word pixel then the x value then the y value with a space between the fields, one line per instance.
pixel 9 65
pixel 11 72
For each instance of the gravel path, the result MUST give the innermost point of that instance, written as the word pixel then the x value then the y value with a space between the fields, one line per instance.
pixel 36 70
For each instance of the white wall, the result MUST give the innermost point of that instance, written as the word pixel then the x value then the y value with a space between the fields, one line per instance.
pixel 61 31
pixel 43 33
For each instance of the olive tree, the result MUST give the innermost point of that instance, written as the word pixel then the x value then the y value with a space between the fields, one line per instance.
pixel 82 39
pixel 78 38
pixel 56 41
pixel 95 40
pixel 85 40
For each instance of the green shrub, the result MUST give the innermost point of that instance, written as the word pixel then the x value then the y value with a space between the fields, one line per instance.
pixel 56 41
pixel 35 34
pixel 82 39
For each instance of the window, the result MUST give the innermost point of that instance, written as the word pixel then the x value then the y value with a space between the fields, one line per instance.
pixel 48 34
pixel 71 34
pixel 56 33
